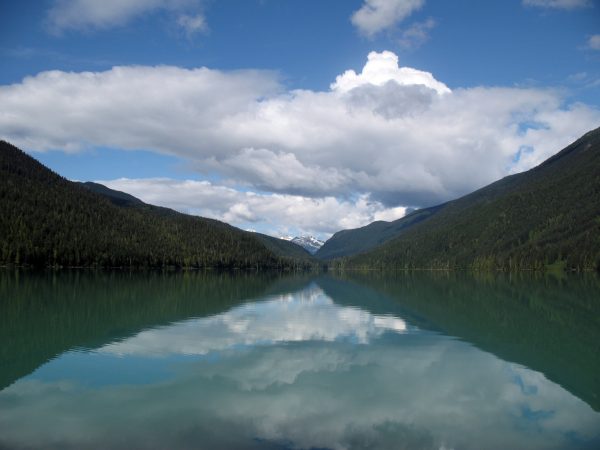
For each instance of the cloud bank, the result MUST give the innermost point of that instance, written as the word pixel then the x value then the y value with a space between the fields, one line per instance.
pixel 278 214
pixel 388 136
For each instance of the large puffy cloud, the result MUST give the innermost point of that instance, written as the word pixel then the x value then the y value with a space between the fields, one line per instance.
pixel 93 14
pixel 162 108
pixel 278 214
pixel 387 134
pixel 377 15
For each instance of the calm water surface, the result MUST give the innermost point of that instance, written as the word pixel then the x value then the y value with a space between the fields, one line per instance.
pixel 195 360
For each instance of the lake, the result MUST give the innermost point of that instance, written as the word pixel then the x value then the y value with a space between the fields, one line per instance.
pixel 350 361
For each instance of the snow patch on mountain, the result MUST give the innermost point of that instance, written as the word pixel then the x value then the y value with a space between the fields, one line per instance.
pixel 310 243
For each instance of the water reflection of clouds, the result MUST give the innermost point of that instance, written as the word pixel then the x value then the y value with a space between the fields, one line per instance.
pixel 311 387
pixel 310 394
pixel 303 316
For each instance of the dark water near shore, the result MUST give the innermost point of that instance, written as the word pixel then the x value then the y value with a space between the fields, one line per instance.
pixel 213 360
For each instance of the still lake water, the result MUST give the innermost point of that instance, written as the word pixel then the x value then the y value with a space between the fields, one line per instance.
pixel 195 360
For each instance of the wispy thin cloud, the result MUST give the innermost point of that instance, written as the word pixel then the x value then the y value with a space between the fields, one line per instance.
pixel 558 4
pixel 594 42
pixel 378 15
pixel 53 55
pixel 192 24
pixel 417 34
pixel 92 15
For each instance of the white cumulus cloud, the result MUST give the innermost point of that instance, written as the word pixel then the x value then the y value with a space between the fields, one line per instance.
pixel 386 135
pixel 377 15
pixel 382 68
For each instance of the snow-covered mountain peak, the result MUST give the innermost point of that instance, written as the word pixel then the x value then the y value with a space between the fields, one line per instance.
pixel 310 243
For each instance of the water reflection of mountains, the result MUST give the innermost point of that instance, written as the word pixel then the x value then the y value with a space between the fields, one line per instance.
pixel 549 325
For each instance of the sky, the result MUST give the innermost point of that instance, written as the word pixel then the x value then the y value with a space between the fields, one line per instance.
pixel 297 117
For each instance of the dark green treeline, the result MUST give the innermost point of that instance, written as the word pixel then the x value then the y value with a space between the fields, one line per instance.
pixel 47 220
pixel 45 313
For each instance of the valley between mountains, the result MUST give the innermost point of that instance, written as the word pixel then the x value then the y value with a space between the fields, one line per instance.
pixel 545 218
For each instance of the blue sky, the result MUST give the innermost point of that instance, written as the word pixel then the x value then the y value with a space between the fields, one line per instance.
pixel 274 134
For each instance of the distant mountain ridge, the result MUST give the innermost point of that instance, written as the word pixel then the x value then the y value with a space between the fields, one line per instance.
pixel 548 216
pixel 358 240
pixel 119 198
pixel 47 220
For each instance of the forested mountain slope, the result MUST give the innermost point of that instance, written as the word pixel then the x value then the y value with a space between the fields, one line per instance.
pixel 284 248
pixel 358 240
pixel 278 246
pixel 549 215
pixel 47 220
